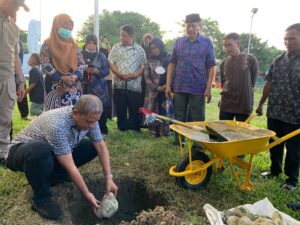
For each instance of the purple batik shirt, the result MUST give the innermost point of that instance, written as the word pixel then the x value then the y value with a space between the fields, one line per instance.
pixel 192 60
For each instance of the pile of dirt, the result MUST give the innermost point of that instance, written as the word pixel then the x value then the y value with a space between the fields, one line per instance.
pixel 158 216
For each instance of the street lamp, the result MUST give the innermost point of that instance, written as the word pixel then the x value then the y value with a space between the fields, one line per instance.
pixel 253 11
pixel 96 19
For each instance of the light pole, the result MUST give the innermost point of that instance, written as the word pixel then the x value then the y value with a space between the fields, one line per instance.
pixel 96 19
pixel 253 11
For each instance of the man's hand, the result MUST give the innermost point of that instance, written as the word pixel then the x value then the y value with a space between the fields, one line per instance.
pixel 130 76
pixel 21 92
pixel 259 110
pixel 207 94
pixel 94 203
pixel 111 186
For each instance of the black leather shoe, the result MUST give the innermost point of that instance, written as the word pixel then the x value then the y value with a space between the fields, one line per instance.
pixel 48 208
pixel 269 175
pixel 294 206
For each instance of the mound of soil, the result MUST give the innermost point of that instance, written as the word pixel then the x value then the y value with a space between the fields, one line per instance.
pixel 158 216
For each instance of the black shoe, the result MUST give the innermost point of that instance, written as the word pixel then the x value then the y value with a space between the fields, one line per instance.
pixel 269 175
pixel 48 208
pixel 294 206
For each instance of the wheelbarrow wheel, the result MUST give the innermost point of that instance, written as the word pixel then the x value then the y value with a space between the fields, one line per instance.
pixel 197 180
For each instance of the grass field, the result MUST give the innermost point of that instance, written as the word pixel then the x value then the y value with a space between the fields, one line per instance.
pixel 141 156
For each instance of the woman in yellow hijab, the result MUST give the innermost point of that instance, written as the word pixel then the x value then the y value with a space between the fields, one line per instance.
pixel 60 61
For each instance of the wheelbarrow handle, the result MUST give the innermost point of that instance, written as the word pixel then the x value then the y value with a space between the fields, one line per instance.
pixel 278 141
pixel 252 115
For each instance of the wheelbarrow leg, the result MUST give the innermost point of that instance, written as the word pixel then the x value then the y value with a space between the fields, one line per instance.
pixel 247 185
pixel 234 174
pixel 218 166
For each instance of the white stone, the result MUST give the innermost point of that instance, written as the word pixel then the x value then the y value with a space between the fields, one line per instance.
pixel 108 206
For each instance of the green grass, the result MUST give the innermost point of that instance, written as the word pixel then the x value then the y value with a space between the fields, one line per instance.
pixel 141 156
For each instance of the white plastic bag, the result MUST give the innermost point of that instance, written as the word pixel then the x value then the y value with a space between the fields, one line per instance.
pixel 261 208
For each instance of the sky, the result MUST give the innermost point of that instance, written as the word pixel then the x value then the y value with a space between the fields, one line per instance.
pixel 269 23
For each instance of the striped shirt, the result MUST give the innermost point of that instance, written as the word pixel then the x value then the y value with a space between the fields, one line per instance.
pixel 57 128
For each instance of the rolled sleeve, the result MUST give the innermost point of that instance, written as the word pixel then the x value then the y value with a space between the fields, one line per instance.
pixel 210 59
pixel 95 134
pixel 174 55
pixel 112 55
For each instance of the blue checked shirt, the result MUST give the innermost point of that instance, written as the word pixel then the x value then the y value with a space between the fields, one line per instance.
pixel 57 128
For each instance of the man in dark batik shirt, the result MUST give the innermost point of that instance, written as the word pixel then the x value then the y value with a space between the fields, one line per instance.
pixel 283 112
pixel 238 76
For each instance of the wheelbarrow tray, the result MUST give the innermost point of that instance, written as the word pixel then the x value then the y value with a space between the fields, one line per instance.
pixel 243 138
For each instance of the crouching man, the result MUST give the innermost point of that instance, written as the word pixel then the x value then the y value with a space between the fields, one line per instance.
pixel 52 147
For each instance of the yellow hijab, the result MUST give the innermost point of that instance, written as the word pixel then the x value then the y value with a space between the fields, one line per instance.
pixel 63 52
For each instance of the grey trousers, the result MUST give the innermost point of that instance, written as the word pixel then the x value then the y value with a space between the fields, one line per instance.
pixel 7 100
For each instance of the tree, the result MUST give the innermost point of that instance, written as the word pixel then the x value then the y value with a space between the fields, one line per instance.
pixel 212 31
pixel 23 36
pixel 260 50
pixel 110 23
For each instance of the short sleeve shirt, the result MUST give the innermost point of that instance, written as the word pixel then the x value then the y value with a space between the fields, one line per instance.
pixel 57 128
pixel 192 59
pixel 284 97
pixel 37 93
pixel 127 59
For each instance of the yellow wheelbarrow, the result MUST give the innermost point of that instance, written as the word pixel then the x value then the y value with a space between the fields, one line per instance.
pixel 239 138
pixel 225 139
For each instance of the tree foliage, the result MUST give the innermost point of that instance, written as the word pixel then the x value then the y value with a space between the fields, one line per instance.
pixel 260 50
pixel 23 36
pixel 110 23
pixel 211 29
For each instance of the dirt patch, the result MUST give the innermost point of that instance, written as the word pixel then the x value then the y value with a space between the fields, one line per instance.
pixel 133 197
pixel 136 201
pixel 159 215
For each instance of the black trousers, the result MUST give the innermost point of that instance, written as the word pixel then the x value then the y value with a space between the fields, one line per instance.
pixel 292 159
pixel 110 110
pixel 103 120
pixel 128 101
pixel 23 106
pixel 37 160
pixel 230 116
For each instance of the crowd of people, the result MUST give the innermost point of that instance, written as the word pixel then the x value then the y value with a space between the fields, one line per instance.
pixel 83 87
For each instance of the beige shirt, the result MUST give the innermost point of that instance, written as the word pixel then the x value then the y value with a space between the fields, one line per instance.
pixel 9 39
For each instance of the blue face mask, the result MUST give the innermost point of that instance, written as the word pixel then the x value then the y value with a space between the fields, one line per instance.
pixel 64 33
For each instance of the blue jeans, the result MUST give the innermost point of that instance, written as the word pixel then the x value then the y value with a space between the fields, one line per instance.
pixel 37 160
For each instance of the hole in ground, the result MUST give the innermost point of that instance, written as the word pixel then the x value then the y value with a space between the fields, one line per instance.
pixel 133 197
